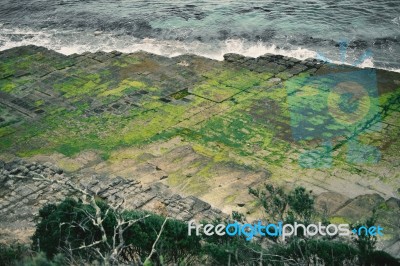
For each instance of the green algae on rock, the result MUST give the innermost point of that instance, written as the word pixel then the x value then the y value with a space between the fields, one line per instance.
pixel 213 128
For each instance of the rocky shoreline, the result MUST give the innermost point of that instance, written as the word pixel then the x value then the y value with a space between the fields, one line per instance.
pixel 183 136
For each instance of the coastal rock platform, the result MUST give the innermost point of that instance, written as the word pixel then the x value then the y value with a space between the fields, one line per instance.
pixel 188 135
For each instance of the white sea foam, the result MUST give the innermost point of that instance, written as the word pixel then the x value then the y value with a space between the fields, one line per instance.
pixel 396 20
pixel 78 42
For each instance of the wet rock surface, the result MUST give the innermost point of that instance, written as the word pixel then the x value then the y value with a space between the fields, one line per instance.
pixel 179 135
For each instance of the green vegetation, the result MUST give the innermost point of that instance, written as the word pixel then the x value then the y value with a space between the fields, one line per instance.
pixel 69 225
pixel 69 233
pixel 221 85
pixel 298 206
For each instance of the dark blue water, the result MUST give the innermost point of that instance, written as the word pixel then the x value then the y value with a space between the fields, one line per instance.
pixel 302 28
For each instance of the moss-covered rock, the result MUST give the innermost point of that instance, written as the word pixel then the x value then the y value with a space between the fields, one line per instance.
pixel 213 128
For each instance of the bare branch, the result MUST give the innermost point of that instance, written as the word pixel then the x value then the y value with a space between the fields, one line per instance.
pixel 153 248
pixel 113 251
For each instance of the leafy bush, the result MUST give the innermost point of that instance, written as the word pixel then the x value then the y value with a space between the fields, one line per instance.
pixel 11 253
pixel 315 252
pixel 22 255
pixel 68 226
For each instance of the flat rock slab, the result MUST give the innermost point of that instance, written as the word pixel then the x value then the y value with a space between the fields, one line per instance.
pixel 24 190
pixel 202 128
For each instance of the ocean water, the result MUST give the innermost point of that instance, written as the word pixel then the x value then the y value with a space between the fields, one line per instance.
pixel 368 30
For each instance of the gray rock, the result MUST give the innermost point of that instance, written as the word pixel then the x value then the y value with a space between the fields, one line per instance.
pixel 330 202
pixel 199 205
pixel 15 171
pixel 24 191
pixel 393 203
pixel 116 181
pixel 233 57
pixel 185 216
pixel 275 80
pixel 56 169
pixel 9 184
pixel 360 207
pixel 23 170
